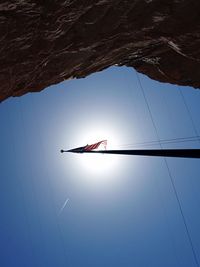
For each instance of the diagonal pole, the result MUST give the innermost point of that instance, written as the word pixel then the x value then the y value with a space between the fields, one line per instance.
pixel 176 153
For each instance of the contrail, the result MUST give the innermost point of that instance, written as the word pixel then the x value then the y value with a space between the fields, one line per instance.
pixel 63 206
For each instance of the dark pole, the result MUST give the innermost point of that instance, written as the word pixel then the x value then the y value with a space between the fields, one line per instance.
pixel 177 153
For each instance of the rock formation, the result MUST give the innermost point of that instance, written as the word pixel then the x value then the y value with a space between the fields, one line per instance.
pixel 43 42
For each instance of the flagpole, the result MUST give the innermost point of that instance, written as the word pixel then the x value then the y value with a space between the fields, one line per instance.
pixel 177 153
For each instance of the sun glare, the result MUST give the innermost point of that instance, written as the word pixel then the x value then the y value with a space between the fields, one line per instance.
pixel 95 169
pixel 99 166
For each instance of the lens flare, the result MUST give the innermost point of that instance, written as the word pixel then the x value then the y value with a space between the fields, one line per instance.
pixel 99 167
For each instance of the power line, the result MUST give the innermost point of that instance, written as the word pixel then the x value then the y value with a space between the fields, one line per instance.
pixel 164 141
pixel 189 113
pixel 170 174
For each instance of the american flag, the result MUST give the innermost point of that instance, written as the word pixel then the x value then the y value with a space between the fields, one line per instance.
pixel 96 145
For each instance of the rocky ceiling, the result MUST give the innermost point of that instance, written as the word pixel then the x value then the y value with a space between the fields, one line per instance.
pixel 45 42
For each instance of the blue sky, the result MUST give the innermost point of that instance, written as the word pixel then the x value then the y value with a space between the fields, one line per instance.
pixel 122 210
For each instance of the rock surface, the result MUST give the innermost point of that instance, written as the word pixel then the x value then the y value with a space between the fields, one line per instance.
pixel 43 42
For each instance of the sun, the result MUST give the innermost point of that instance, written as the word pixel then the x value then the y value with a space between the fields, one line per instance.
pixel 95 169
pixel 99 167
pixel 98 162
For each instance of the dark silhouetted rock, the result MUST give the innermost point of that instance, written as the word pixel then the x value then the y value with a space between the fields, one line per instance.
pixel 45 42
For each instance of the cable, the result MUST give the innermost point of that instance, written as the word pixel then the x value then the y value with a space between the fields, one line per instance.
pixel 149 110
pixel 164 141
pixel 182 214
pixel 170 175
pixel 189 113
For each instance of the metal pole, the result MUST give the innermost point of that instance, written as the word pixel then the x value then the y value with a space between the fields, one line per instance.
pixel 177 153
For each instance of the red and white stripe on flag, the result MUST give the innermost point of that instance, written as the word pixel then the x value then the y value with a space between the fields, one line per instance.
pixel 96 145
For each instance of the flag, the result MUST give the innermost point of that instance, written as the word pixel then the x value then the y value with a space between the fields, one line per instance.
pixel 96 145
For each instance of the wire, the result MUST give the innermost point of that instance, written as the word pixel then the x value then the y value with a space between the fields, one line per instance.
pixel 182 214
pixel 149 110
pixel 189 113
pixel 164 141
pixel 170 174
